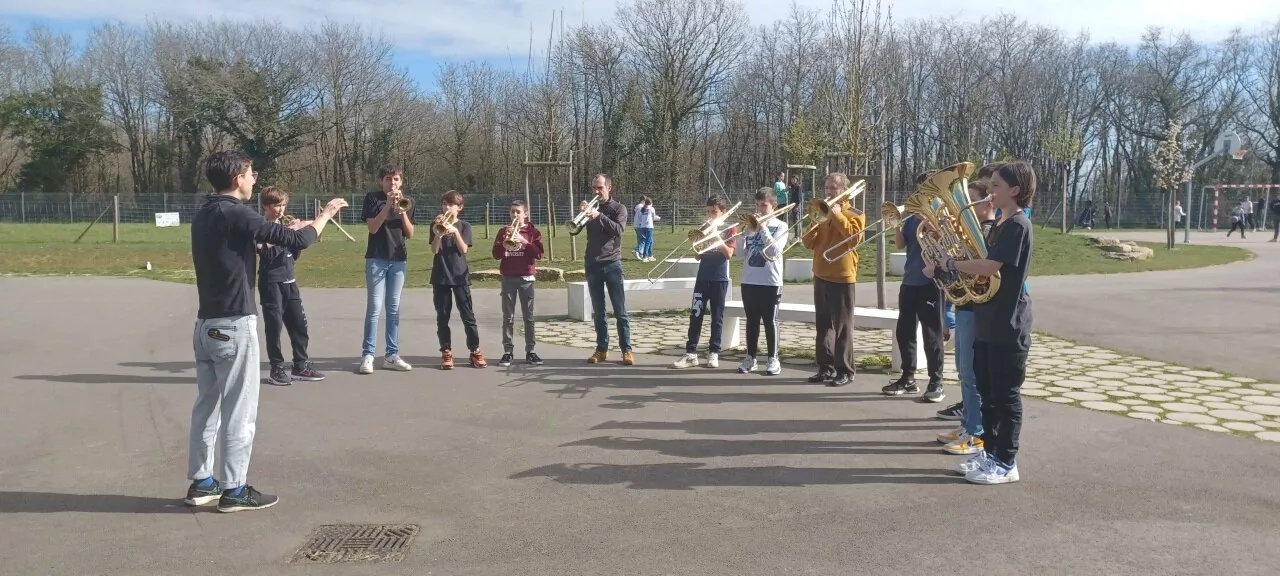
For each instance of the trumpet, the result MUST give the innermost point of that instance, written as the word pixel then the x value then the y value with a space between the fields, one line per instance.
pixel 819 211
pixel 891 215
pixel 704 238
pixel 443 222
pixel 403 204
pixel 580 220
pixel 514 241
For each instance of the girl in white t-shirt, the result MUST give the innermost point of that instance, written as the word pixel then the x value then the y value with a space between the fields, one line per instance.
pixel 645 216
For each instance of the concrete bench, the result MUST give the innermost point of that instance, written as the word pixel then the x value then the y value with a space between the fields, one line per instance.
pixel 797 269
pixel 868 317
pixel 580 300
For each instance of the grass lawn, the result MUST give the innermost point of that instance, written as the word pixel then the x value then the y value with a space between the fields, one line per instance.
pixel 48 249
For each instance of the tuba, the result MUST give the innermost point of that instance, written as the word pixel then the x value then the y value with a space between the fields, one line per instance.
pixel 950 228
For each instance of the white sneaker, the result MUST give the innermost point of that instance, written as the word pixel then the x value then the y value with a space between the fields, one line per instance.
pixel 993 473
pixel 978 462
pixel 713 360
pixel 394 362
pixel 366 365
pixel 686 361
pixel 774 367
pixel 748 365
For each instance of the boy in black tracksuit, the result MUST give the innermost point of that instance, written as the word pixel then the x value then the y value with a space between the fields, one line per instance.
pixel 281 300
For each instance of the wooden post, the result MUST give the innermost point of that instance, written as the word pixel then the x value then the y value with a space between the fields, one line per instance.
pixel 551 244
pixel 71 206
pixel 880 242
pixel 115 222
pixel 486 219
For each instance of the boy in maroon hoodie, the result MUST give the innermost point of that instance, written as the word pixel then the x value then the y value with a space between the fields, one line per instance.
pixel 517 268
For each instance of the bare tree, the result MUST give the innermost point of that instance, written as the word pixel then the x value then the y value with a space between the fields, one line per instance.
pixel 1261 118
pixel 119 60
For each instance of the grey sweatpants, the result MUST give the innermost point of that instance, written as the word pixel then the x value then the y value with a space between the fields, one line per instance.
pixel 513 286
pixel 227 381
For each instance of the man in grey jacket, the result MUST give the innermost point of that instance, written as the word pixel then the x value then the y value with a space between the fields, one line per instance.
pixel 604 270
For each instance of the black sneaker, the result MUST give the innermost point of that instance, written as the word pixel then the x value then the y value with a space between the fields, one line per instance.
pixel 306 373
pixel 820 377
pixel 197 496
pixel 248 499
pixel 952 412
pixel 505 360
pixel 934 392
pixel 533 358
pixel 841 380
pixel 903 385
pixel 279 376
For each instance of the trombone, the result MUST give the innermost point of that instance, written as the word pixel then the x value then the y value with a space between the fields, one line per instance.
pixel 704 238
pixel 752 224
pixel 580 220
pixel 819 211
pixel 443 222
pixel 891 215
pixel 514 240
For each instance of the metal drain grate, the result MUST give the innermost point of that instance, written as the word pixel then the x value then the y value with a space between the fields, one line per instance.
pixel 345 543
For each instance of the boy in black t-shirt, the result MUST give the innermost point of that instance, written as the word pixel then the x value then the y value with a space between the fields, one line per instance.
pixel 385 264
pixel 281 300
pixel 710 290
pixel 1002 335
pixel 451 281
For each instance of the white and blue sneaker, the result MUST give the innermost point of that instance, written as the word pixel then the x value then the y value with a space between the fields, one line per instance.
pixel 994 472
pixel 748 365
pixel 774 367
pixel 977 462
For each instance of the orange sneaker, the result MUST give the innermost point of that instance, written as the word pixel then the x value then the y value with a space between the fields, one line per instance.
pixel 598 357
pixel 628 358
pixel 477 359
pixel 446 360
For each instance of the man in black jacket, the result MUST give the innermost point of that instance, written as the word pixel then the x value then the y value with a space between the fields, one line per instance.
pixel 224 238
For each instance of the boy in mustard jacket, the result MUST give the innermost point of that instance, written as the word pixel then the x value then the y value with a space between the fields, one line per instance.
pixel 833 286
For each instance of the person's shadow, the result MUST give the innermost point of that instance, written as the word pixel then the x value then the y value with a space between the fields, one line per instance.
pixel 52 502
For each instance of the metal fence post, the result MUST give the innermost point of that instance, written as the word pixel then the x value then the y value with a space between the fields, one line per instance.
pixel 22 202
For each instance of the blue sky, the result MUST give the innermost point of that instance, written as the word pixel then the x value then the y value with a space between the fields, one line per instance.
pixel 428 32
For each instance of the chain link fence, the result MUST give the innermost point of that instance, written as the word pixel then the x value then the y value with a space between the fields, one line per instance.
pixel 676 212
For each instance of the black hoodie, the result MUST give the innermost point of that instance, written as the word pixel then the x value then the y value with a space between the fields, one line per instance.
pixel 224 238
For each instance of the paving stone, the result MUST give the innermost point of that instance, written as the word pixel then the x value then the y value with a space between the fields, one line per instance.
pixel 1182 395
pixel 1268 400
pixel 1212 383
pixel 1211 427
pixel 1203 374
pixel 1183 407
pixel 1105 355
pixel 1122 368
pixel 1106 375
pixel 1157 397
pixel 1086 396
pixel 1057 389
pixel 1268 436
pixel 1035 392
pixel 1243 427
pixel 1149 363
pixel 1142 416
pixel 1195 391
pixel 1248 392
pixel 1239 415
pixel 1091 361
pixel 1228 395
pixel 1121 393
pixel 1263 409
pixel 1270 423
pixel 1032 385
pixel 1221 406
pixel 1076 384
pixel 1105 406
pixel 1190 418
pixel 1175 378
pixel 1144 389
pixel 1268 387
pixel 1242 379
pixel 1147 409
pixel 1059 400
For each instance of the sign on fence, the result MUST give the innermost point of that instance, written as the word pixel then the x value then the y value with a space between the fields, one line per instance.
pixel 165 219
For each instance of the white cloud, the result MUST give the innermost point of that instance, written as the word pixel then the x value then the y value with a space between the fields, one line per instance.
pixel 452 28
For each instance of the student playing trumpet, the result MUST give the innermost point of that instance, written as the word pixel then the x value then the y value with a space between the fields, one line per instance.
pixel 518 247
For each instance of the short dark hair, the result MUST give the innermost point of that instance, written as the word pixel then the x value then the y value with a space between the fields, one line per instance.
pixel 390 170
pixel 1023 176
pixel 607 180
pixel 222 168
pixel 716 200
pixel 452 198
pixel 986 171
pixel 766 193
pixel 980 186
pixel 273 196
pixel 519 203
